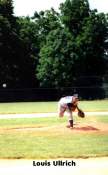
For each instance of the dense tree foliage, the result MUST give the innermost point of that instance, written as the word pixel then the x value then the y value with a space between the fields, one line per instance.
pixel 28 34
pixel 15 63
pixel 74 14
pixel 53 49
pixel 80 50
pixel 8 40
pixel 46 21
pixel 55 59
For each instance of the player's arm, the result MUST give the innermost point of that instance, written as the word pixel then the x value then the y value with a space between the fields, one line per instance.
pixel 71 107
pixel 80 112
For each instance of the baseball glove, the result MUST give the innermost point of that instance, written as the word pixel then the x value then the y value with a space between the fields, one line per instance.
pixel 81 113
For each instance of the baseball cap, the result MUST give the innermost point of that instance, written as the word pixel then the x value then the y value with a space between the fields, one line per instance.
pixel 75 95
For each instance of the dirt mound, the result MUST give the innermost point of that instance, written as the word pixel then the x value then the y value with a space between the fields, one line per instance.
pixel 91 127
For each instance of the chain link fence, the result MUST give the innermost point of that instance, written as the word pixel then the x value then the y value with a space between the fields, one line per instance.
pixel 51 94
pixel 91 91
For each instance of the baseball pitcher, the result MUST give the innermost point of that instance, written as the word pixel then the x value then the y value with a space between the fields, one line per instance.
pixel 69 104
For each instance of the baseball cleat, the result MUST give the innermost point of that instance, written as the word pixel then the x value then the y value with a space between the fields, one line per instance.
pixel 68 126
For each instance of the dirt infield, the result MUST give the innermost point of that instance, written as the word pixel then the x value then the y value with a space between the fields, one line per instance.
pixel 92 126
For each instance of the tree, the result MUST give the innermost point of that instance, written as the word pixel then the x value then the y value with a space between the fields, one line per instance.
pixel 76 49
pixel 89 30
pixel 15 63
pixel 6 9
pixel 7 42
pixel 73 14
pixel 57 58
pixel 28 34
pixel 33 32
pixel 46 21
pixel 90 44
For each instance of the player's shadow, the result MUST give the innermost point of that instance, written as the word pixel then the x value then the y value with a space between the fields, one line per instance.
pixel 86 128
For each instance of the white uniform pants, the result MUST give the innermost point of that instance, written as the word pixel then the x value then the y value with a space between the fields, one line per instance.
pixel 62 108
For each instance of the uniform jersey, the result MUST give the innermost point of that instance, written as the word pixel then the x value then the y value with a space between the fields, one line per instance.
pixel 65 100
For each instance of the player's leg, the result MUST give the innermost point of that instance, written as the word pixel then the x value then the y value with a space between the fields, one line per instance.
pixel 70 118
pixel 61 110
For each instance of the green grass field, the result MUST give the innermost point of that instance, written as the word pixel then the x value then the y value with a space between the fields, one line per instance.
pixel 47 138
pixel 35 107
